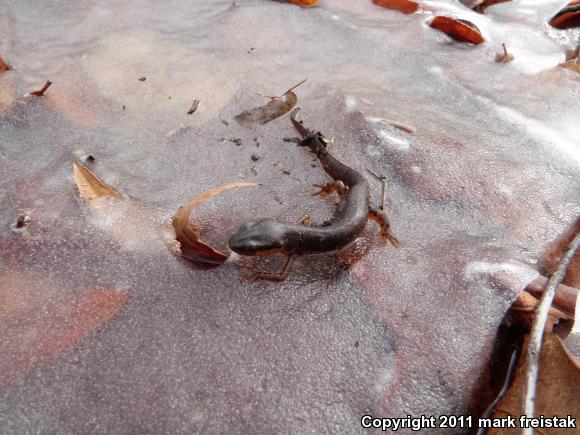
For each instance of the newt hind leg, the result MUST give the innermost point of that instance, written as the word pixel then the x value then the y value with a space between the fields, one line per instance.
pixel 382 220
pixel 328 188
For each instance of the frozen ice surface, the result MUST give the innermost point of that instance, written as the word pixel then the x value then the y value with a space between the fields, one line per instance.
pixel 108 332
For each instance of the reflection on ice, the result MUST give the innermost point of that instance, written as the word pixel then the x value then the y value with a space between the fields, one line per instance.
pixel 110 332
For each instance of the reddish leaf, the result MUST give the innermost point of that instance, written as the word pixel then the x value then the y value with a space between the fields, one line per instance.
pixel 41 334
pixel 304 3
pixel 460 30
pixel 568 17
pixel 404 6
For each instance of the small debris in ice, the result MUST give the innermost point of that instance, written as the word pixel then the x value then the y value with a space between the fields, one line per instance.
pixel 193 107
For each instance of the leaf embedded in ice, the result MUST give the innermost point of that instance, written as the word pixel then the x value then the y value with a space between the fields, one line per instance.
pixel 304 3
pixel 275 108
pixel 34 331
pixel 458 29
pixel 191 247
pixel 404 6
pixel 71 108
pixel 89 185
pixel 3 65
pixel 568 17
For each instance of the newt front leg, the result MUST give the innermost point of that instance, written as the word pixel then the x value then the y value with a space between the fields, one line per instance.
pixel 382 220
pixel 283 274
pixel 280 276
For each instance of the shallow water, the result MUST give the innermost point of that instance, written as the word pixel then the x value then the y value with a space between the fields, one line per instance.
pixel 107 331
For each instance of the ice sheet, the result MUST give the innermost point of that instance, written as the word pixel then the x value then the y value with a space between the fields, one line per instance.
pixel 109 332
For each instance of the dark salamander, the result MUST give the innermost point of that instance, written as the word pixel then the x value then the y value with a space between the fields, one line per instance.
pixel 269 236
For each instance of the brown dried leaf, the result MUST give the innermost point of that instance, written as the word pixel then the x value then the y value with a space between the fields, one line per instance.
pixel 191 247
pixel 263 114
pixel 458 29
pixel 3 65
pixel 558 386
pixel 568 17
pixel 89 185
pixel 404 6
pixel 42 332
pixel 274 109
pixel 523 310
pixel 71 109
pixel 565 297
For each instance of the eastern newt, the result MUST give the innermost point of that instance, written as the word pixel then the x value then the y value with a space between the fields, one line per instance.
pixel 269 236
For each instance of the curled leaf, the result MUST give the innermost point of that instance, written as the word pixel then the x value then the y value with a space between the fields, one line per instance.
pixel 190 246
pixel 89 185
pixel 274 109
pixel 568 17
pixel 404 6
pixel 458 29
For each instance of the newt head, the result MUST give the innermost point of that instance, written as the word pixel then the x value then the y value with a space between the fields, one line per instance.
pixel 263 237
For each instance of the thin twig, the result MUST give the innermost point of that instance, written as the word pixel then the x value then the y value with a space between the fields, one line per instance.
pixel 535 345
pixel 504 388
pixel 295 86
pixel 381 179
pixel 285 93
pixel 397 124
pixel 42 90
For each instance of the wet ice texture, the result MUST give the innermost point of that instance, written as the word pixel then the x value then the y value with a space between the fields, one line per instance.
pixel 146 344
